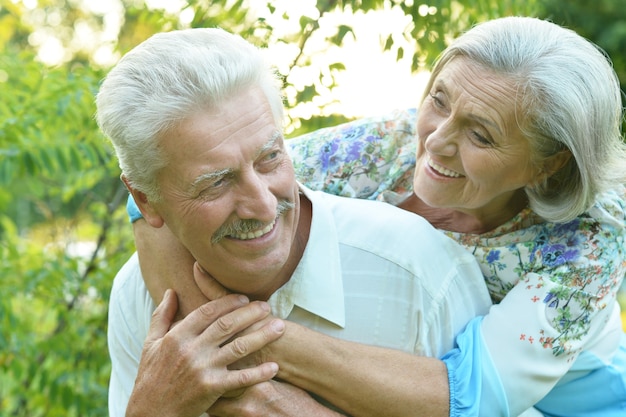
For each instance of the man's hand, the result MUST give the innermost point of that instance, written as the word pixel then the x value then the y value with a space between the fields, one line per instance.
pixel 213 290
pixel 272 398
pixel 184 369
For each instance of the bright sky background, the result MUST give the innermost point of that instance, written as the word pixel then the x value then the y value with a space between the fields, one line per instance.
pixel 373 82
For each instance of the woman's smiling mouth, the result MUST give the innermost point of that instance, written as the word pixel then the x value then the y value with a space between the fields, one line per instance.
pixel 442 170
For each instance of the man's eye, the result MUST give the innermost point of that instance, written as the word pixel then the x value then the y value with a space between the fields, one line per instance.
pixel 269 160
pixel 214 188
pixel 272 155
pixel 218 183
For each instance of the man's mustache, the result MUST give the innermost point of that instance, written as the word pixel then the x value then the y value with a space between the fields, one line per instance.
pixel 249 225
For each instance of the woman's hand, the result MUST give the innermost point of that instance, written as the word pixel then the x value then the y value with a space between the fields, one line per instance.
pixel 208 285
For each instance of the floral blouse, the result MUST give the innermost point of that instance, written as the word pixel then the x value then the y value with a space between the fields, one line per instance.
pixel 554 286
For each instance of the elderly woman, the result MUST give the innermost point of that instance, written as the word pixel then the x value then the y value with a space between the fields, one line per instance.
pixel 519 158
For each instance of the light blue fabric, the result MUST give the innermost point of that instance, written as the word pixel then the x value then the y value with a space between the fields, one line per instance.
pixel 133 211
pixel 601 393
pixel 475 387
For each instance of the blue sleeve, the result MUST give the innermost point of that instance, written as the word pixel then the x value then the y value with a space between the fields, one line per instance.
pixel 475 387
pixel 133 211
pixel 601 392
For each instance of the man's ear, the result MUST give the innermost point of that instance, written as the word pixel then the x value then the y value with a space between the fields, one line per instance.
pixel 146 208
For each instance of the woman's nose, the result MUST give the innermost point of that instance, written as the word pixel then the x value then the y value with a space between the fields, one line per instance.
pixel 441 140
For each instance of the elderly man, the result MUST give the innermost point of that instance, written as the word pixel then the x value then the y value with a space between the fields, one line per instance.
pixel 195 118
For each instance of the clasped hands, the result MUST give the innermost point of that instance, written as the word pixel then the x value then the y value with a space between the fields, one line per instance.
pixel 212 361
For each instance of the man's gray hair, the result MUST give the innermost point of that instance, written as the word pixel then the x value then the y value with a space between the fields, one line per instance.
pixel 168 78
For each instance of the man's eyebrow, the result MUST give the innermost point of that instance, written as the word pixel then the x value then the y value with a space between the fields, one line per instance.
pixel 208 177
pixel 270 143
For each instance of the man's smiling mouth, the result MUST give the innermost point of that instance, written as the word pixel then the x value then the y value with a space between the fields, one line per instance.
pixel 255 234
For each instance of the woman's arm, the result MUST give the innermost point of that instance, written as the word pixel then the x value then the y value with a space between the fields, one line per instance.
pixel 362 380
pixel 166 263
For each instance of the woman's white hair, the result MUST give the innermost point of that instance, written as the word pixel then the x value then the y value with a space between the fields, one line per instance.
pixel 167 78
pixel 568 99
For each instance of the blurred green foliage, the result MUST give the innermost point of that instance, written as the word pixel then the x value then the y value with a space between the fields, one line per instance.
pixel 601 21
pixel 63 229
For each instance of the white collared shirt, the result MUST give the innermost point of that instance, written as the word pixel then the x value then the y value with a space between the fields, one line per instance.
pixel 370 273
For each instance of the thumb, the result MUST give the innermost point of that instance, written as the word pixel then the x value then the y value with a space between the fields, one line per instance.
pixel 207 284
pixel 163 316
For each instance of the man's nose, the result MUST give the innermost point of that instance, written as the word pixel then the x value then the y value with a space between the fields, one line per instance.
pixel 256 200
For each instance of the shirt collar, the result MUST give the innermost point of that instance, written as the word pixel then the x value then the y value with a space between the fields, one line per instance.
pixel 316 285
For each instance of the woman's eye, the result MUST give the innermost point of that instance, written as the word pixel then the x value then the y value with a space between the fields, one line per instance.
pixel 438 102
pixel 481 139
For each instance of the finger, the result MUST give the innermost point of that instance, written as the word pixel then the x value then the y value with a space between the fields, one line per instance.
pixel 229 325
pixel 246 401
pixel 163 316
pixel 227 406
pixel 207 284
pixel 243 378
pixel 242 346
pixel 204 317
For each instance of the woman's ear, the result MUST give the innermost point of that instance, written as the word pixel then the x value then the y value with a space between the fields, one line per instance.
pixel 146 208
pixel 554 163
